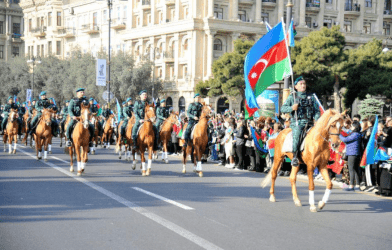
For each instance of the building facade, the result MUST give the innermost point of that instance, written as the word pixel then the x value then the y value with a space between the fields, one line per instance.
pixel 184 37
pixel 11 29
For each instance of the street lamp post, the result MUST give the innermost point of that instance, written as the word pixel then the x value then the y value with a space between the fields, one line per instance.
pixel 286 90
pixel 154 50
pixel 34 61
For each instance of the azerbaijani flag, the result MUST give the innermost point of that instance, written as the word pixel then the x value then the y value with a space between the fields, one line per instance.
pixel 248 111
pixel 291 33
pixel 267 62
pixel 382 155
pixel 370 151
pixel 118 110
pixel 321 108
pixel 258 140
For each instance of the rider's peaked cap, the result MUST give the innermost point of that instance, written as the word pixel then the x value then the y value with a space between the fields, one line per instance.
pixel 10 97
pixel 79 89
pixel 42 93
pixel 91 99
pixel 143 91
pixel 298 80
pixel 163 100
pixel 196 95
pixel 129 99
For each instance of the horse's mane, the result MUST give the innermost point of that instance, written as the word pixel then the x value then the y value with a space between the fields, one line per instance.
pixel 322 122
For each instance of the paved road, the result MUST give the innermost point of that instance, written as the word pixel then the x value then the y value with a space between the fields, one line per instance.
pixel 43 206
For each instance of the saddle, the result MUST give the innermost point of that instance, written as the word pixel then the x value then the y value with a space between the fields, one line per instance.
pixel 288 141
pixel 192 132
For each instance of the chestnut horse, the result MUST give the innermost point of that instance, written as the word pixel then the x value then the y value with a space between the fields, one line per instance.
pixel 80 140
pixel 25 127
pixel 316 154
pixel 11 131
pixel 43 133
pixel 198 144
pixel 165 133
pixel 94 121
pixel 128 142
pixel 108 131
pixel 145 139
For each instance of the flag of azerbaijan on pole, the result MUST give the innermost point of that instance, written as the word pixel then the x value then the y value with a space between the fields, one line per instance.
pixel 267 62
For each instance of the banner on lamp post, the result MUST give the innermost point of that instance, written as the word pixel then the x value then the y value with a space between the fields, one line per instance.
pixel 28 95
pixel 101 72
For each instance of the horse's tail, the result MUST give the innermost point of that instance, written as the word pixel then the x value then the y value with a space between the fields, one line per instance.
pixel 267 180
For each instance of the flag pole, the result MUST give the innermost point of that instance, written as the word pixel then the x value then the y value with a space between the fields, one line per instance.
pixel 291 68
pixel 315 96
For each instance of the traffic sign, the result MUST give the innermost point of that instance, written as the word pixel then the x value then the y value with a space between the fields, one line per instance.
pixel 105 95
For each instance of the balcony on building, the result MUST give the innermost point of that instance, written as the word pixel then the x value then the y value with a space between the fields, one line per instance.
pixel 313 6
pixel 17 38
pixel 119 24
pixel 168 56
pixel 146 4
pixel 90 28
pixel 170 2
pixel 39 31
pixel 66 32
pixel 388 14
pixel 352 9
pixel 269 4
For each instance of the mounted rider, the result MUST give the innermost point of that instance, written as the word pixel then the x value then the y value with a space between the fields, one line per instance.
pixel 31 113
pixel 308 112
pixel 64 114
pixel 74 110
pixel 43 103
pixel 94 112
pixel 139 112
pixel 193 113
pixel 106 112
pixel 162 113
pixel 6 112
pixel 22 110
pixel 127 114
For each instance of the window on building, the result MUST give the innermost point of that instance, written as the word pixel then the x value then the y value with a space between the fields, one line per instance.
pixel 218 45
pixel 223 104
pixel 186 13
pixel 149 18
pixel 125 12
pixel 386 29
pixel 105 16
pixel 1 27
pixel 1 51
pixel 367 28
pixel 30 24
pixel 218 13
pixel 308 21
pixel 242 15
pixel 368 3
pixel 49 48
pixel 38 22
pixel 265 17
pixel 169 102
pixel 50 19
pixel 16 28
pixel 118 13
pixel 327 23
pixel 347 26
pixel 95 19
pixel 42 21
pixel 58 18
pixel 185 70
pixel 181 104
pixel 328 1
pixel 58 48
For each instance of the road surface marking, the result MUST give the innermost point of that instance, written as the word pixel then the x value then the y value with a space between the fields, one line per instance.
pixel 163 199
pixel 163 222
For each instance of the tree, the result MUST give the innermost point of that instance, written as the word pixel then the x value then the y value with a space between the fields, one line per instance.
pixel 228 72
pixel 368 72
pixel 370 107
pixel 320 58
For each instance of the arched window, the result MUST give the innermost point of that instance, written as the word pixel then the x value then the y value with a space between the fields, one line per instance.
pixel 169 102
pixel 223 104
pixel 218 44
pixel 181 104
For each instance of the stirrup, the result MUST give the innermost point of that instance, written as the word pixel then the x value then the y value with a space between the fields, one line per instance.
pixel 295 162
pixel 69 143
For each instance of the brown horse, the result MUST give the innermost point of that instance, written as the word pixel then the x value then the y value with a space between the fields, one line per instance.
pixel 43 133
pixel 94 121
pixel 108 131
pixel 25 127
pixel 198 144
pixel 165 133
pixel 11 131
pixel 119 141
pixel 128 142
pixel 80 140
pixel 316 154
pixel 145 139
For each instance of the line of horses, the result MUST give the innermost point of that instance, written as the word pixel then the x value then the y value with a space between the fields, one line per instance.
pixel 316 153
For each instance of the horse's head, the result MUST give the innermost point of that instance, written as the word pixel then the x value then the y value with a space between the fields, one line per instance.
pixel 150 113
pixel 85 114
pixel 334 127
pixel 174 118
pixel 206 111
pixel 13 115
pixel 47 116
